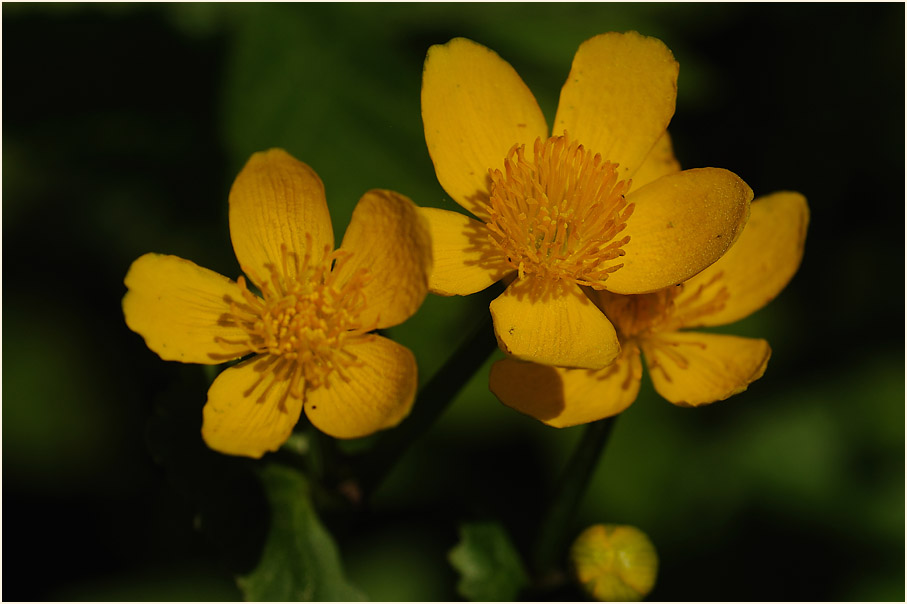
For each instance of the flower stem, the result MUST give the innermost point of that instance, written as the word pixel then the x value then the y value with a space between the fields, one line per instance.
pixel 552 536
pixel 433 399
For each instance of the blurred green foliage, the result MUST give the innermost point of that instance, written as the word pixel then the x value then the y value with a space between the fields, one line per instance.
pixel 299 561
pixel 490 567
pixel 123 128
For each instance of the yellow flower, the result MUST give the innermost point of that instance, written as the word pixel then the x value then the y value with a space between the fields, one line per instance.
pixel 600 205
pixel 687 368
pixel 309 329
pixel 614 563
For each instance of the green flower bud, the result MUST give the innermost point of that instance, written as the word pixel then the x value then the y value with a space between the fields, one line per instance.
pixel 614 563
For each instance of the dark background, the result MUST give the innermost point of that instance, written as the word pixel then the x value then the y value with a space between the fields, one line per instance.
pixel 123 127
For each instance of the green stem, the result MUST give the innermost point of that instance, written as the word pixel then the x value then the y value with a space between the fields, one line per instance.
pixel 551 538
pixel 431 402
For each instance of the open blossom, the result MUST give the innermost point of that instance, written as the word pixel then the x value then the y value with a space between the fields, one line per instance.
pixel 595 205
pixel 688 368
pixel 308 332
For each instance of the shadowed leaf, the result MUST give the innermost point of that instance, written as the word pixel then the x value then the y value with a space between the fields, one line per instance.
pixel 490 567
pixel 300 561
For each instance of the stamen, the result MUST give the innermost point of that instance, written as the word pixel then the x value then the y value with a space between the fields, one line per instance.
pixel 558 215
pixel 302 320
pixel 634 316
pixel 670 309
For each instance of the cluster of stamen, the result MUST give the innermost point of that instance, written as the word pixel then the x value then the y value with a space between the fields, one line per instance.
pixel 666 310
pixel 635 317
pixel 303 317
pixel 557 214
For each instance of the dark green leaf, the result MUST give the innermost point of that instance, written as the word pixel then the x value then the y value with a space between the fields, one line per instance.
pixel 300 561
pixel 490 567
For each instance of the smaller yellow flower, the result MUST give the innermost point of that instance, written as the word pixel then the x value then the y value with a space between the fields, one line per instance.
pixel 687 368
pixel 309 330
pixel 614 563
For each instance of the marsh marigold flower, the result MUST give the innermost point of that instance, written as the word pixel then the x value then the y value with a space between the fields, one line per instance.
pixel 614 563
pixel 688 368
pixel 308 331
pixel 596 205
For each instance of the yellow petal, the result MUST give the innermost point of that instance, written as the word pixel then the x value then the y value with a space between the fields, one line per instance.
pixel 563 397
pixel 553 324
pixel 660 162
pixel 465 261
pixel 475 108
pixel 250 409
pixel 389 238
pixel 681 224
pixel 277 201
pixel 755 269
pixel 619 97
pixel 180 309
pixel 691 368
pixel 378 394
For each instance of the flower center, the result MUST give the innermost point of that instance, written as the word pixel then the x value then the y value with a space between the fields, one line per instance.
pixel 557 215
pixel 635 315
pixel 665 310
pixel 303 317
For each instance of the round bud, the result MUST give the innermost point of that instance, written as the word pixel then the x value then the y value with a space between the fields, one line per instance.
pixel 614 563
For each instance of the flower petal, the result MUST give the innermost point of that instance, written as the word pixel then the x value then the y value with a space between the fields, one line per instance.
pixel 475 108
pixel 660 162
pixel 388 237
pixel 553 324
pixel 619 97
pixel 563 397
pixel 692 368
pixel 755 269
pixel 464 259
pixel 378 394
pixel 277 200
pixel 250 409
pixel 681 224
pixel 180 309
